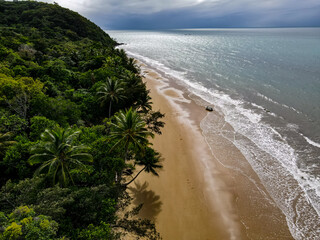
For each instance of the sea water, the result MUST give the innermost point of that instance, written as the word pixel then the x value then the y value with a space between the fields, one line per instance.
pixel 266 84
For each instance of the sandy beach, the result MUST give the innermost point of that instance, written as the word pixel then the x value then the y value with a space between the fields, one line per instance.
pixel 197 197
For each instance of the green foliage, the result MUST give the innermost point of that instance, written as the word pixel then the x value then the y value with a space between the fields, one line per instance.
pixel 14 164
pixel 111 91
pixel 38 125
pixel 74 207
pixel 57 153
pixel 92 205
pixel 88 104
pixel 5 141
pixel 13 231
pixel 105 163
pixel 52 201
pixel 102 231
pixel 53 62
pixel 12 123
pixel 52 20
pixel 130 130
pixel 34 191
pixel 60 110
pixel 24 192
pixel 10 87
pixel 23 223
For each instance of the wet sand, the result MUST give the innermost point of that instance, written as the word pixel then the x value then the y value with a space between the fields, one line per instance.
pixel 196 197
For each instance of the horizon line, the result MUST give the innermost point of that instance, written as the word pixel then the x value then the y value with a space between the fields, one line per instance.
pixel 204 28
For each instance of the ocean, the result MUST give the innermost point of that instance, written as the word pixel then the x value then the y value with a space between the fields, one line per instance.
pixel 266 85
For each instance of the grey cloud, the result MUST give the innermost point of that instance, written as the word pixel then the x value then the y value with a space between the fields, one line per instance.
pixel 197 13
pixel 126 6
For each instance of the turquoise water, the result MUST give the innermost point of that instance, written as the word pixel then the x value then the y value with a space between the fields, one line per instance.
pixel 266 83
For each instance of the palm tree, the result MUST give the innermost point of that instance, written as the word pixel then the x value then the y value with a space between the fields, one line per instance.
pixel 132 79
pixel 132 66
pixel 150 160
pixel 111 91
pixel 57 152
pixel 130 129
pixel 134 84
pixel 4 141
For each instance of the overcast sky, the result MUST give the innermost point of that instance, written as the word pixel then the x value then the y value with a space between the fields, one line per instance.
pixel 166 14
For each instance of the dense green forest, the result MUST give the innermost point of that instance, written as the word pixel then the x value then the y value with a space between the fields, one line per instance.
pixel 75 125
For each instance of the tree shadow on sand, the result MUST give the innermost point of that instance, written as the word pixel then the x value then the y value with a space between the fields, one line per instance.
pixel 151 202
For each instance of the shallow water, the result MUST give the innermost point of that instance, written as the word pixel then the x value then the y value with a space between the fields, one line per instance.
pixel 266 85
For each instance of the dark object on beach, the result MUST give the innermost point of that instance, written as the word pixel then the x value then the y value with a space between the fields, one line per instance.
pixel 208 108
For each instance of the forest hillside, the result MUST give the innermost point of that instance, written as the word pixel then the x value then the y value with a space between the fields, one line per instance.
pixel 75 124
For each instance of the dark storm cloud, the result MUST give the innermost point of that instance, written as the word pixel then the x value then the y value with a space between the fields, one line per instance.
pixel 154 14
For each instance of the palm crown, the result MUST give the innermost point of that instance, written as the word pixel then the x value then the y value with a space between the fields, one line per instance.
pixel 57 152
pixel 111 91
pixel 130 129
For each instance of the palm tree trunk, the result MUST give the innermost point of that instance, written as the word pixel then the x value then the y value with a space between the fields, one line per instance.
pixel 110 108
pixel 126 184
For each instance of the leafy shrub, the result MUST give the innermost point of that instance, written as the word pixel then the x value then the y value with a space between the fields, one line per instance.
pixel 23 223
pixel 38 125
pixel 102 231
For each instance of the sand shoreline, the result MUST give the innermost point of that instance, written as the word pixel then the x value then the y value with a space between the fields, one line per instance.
pixel 196 197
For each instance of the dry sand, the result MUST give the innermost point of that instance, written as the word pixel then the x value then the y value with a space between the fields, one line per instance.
pixel 183 202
